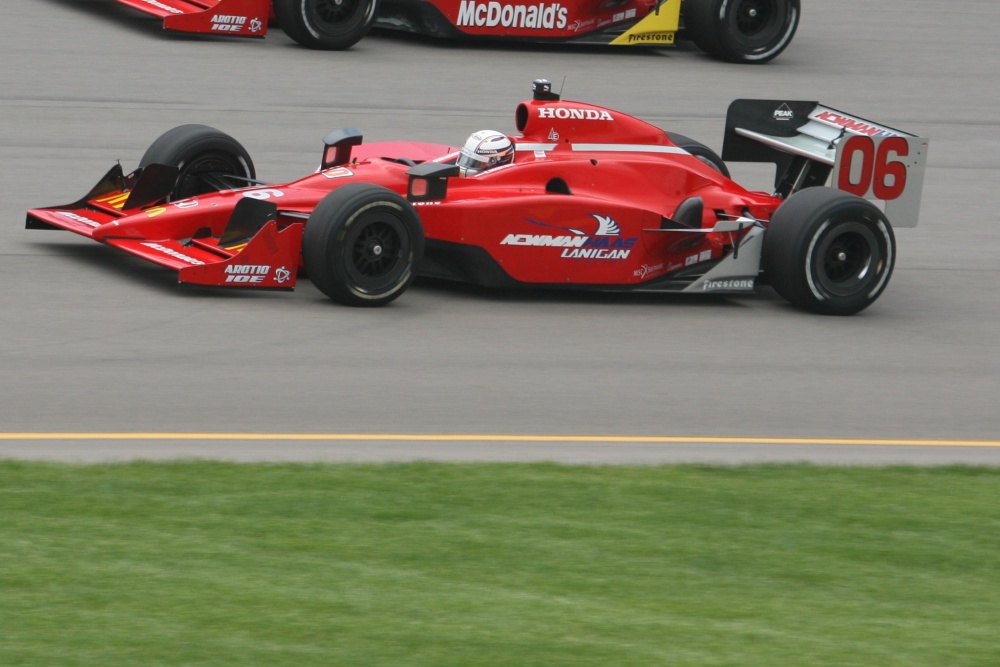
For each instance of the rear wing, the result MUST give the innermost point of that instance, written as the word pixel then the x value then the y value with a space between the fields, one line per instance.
pixel 812 144
pixel 245 18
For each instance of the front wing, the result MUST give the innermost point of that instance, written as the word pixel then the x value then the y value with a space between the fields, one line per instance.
pixel 253 251
pixel 245 18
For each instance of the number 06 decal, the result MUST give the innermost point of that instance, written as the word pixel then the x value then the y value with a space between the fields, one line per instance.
pixel 869 168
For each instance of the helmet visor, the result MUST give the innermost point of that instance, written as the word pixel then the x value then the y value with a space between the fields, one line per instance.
pixel 471 163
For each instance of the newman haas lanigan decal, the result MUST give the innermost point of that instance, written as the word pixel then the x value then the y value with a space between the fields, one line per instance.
pixel 606 243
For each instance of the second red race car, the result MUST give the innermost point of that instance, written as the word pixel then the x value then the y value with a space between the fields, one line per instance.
pixel 581 196
pixel 746 31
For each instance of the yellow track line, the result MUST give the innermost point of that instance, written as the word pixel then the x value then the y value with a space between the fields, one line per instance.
pixel 417 437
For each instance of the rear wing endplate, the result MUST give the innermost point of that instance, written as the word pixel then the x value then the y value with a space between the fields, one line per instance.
pixel 813 144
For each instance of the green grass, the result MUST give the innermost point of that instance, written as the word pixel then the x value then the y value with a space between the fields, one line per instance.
pixel 427 564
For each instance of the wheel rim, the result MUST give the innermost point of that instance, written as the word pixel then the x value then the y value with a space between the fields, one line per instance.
pixel 206 173
pixel 335 13
pixel 378 249
pixel 757 23
pixel 848 260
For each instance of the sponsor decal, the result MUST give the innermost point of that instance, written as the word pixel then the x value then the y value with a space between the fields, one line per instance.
pixel 553 135
pixel 247 273
pixel 337 172
pixel 228 23
pixel 160 5
pixel 266 193
pixel 784 112
pixel 606 226
pixel 282 274
pixel 622 16
pixel 648 270
pixel 705 255
pixel 186 203
pixel 853 124
pixel 661 37
pixel 536 16
pixel 173 253
pixel 116 201
pixel 256 25
pixel 728 284
pixel 570 113
pixel 155 211
pixel 580 24
pixel 605 243
pixel 621 252
pixel 78 218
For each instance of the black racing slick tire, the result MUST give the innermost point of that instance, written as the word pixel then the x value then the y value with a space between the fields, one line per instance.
pixel 700 151
pixel 330 25
pixel 208 160
pixel 828 251
pixel 361 245
pixel 741 31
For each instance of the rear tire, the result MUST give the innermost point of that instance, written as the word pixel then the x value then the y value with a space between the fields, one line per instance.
pixel 361 245
pixel 204 157
pixel 700 151
pixel 828 251
pixel 742 31
pixel 330 25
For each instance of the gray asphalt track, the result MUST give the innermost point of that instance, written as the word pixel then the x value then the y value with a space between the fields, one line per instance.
pixel 95 342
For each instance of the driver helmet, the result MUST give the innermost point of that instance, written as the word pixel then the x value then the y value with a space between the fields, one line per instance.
pixel 483 150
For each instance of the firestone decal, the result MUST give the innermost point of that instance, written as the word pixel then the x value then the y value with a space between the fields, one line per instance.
pixel 731 284
pixel 540 16
pixel 651 38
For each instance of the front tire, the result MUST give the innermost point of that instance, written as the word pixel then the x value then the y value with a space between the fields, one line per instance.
pixel 741 31
pixel 330 25
pixel 361 245
pixel 828 251
pixel 204 157
pixel 700 151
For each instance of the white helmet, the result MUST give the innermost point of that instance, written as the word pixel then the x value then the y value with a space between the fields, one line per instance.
pixel 485 149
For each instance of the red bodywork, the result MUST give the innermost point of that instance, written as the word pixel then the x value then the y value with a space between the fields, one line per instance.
pixel 588 201
pixel 565 20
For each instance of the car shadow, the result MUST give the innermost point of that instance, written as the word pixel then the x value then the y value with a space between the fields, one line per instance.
pixel 123 266
pixel 578 295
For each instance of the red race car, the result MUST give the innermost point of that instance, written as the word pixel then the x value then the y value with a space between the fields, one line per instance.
pixel 751 31
pixel 580 197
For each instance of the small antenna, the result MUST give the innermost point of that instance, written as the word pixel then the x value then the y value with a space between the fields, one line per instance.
pixel 542 91
pixel 561 85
